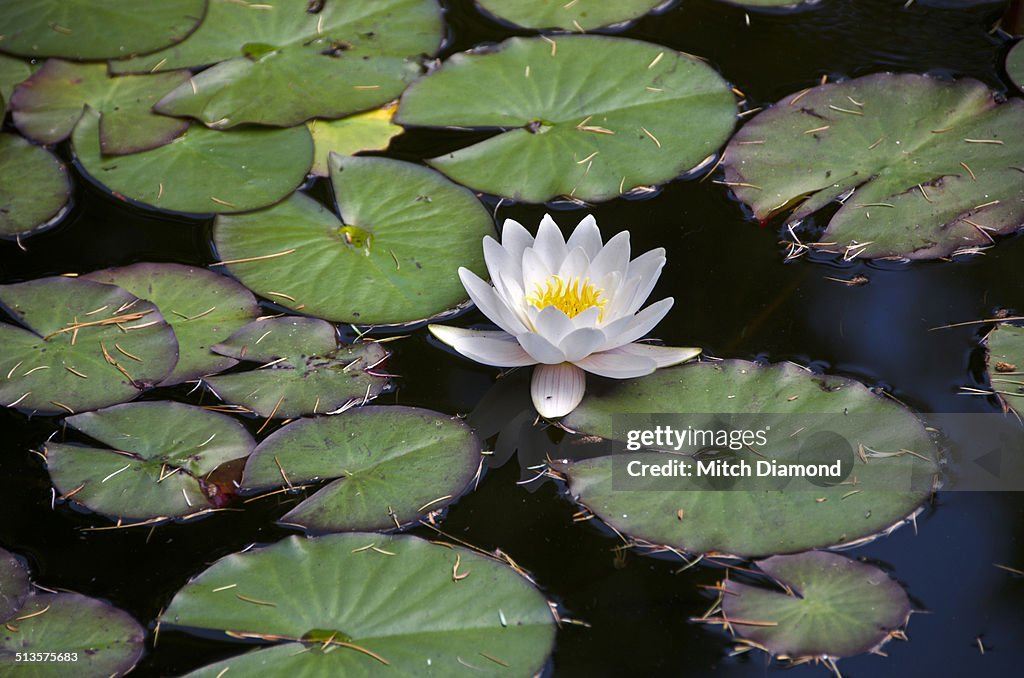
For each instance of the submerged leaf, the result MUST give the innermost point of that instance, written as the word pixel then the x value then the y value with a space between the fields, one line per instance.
pixel 393 258
pixel 14 585
pixel 391 465
pixel 934 167
pixel 366 604
pixel 590 117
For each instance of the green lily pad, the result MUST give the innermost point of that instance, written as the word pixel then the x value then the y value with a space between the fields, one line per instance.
pixel 393 258
pixel 593 116
pixel 392 465
pixel 155 465
pixel 12 72
pixel 289 64
pixel 823 605
pixel 204 308
pixel 894 465
pixel 86 636
pixel 582 15
pixel 202 171
pixel 303 371
pixel 34 186
pixel 85 346
pixel 369 604
pixel 369 131
pixel 94 29
pixel 934 167
pixel 1015 65
pixel 48 105
pixel 14 585
pixel 1006 364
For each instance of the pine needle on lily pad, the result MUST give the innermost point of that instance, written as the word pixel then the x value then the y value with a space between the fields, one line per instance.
pixel 923 168
pixel 1006 365
pixel 34 187
pixel 817 605
pixel 887 459
pixel 303 369
pixel 156 463
pixel 203 307
pixel 393 257
pixel 84 345
pixel 639 114
pixel 368 604
pixel 390 465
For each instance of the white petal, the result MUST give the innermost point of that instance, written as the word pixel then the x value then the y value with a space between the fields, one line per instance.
pixel 664 356
pixel 557 389
pixel 587 236
pixel 499 349
pixel 515 238
pixel 499 260
pixel 552 324
pixel 614 256
pixel 618 364
pixel 575 265
pixel 549 243
pixel 578 344
pixel 648 268
pixel 536 271
pixel 485 298
pixel 588 318
pixel 642 323
pixel 540 349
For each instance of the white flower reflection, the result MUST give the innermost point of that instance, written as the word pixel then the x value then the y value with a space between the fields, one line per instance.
pixel 567 307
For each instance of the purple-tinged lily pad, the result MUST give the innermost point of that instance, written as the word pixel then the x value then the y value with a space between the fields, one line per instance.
pixel 34 187
pixel 84 636
pixel 14 585
pixel 391 465
pixel 156 465
pixel 94 29
pixel 203 307
pixel 923 168
pixel 304 370
pixel 85 345
pixel 202 171
pixel 820 605
pixel 48 105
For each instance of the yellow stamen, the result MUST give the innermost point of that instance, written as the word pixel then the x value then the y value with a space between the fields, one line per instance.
pixel 571 298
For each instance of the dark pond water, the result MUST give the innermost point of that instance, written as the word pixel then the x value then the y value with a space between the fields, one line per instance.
pixel 734 296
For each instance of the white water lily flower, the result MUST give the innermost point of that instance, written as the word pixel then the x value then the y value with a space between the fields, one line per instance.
pixel 566 307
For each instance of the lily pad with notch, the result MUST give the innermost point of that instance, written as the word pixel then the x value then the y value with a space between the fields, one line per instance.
pixel 1006 365
pixel 203 307
pixel 923 168
pixel 890 464
pixel 639 114
pixel 96 638
pixel 47 106
pixel 15 586
pixel 34 187
pixel 392 258
pixel 84 345
pixel 327 607
pixel 203 171
pixel 582 15
pixel 304 370
pixel 818 605
pixel 158 457
pixel 94 29
pixel 289 65
pixel 390 466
